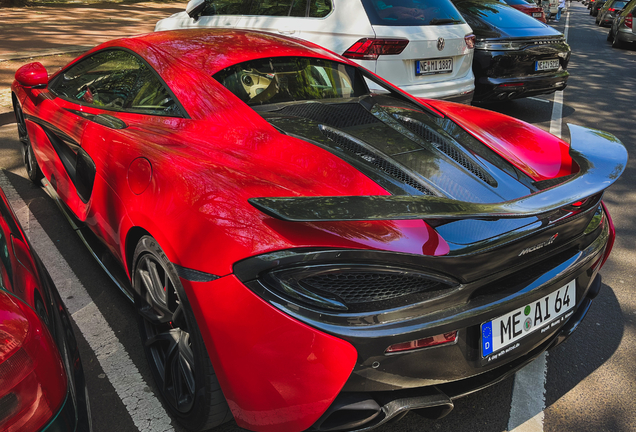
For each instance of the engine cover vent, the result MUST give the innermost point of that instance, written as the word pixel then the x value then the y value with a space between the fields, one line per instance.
pixel 446 147
pixel 352 145
pixel 338 115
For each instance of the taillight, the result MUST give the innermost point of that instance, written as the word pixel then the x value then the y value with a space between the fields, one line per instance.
pixel 32 374
pixel 431 341
pixel 470 41
pixel 612 235
pixel 628 20
pixel 371 49
pixel 611 10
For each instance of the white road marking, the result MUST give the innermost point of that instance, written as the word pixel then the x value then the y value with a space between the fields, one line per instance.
pixel 144 408
pixel 528 393
pixel 538 99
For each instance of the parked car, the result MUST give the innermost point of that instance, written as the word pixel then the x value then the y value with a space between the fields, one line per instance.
pixel 622 29
pixel 528 8
pixel 608 12
pixel 596 6
pixel 424 47
pixel 43 387
pixel 515 56
pixel 318 254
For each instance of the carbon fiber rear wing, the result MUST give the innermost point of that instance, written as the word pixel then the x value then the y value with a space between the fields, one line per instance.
pixel 601 158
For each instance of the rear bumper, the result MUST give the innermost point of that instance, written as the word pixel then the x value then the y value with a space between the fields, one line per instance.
pixel 436 401
pixel 493 89
pixel 626 35
pixel 459 90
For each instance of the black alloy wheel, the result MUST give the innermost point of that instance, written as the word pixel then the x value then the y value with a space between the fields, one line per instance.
pixel 28 157
pixel 173 344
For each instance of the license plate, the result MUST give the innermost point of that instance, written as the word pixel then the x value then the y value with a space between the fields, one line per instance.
pixel 434 66
pixel 543 65
pixel 536 14
pixel 541 314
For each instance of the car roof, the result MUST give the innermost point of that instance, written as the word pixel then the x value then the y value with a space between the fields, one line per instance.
pixel 212 50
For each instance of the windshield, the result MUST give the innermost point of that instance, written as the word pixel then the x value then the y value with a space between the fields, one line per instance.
pixel 411 12
pixel 286 79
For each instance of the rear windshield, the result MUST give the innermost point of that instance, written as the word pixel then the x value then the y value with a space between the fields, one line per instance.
pixel 497 14
pixel 286 79
pixel 294 8
pixel 412 12
pixel 618 4
pixel 520 3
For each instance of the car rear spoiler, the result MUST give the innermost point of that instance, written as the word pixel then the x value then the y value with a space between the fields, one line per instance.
pixel 601 158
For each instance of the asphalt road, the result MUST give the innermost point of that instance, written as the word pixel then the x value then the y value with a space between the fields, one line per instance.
pixel 590 380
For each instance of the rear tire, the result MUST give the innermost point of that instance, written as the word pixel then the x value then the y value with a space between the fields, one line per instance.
pixel 616 43
pixel 28 157
pixel 173 344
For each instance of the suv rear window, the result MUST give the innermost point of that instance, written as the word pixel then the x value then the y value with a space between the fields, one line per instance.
pixel 412 12
pixel 294 8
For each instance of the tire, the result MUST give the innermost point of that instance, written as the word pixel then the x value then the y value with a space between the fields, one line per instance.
pixel 173 344
pixel 610 36
pixel 28 157
pixel 616 43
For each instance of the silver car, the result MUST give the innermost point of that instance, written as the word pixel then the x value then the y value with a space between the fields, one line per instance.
pixel 622 30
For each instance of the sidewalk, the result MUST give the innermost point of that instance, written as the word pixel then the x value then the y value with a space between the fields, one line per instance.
pixel 54 34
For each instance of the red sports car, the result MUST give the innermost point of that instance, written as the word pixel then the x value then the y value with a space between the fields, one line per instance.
pixel 307 253
pixel 529 8
pixel 42 387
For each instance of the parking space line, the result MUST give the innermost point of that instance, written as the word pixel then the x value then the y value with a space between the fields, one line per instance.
pixel 144 408
pixel 528 392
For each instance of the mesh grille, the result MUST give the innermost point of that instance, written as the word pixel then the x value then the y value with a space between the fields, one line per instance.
pixel 446 147
pixel 366 287
pixel 338 116
pixel 545 184
pixel 353 147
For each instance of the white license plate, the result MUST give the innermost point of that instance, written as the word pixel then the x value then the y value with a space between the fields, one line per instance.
pixel 541 314
pixel 543 65
pixel 434 66
pixel 536 14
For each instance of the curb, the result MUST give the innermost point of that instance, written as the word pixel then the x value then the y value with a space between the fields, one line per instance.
pixel 43 53
pixel 6 117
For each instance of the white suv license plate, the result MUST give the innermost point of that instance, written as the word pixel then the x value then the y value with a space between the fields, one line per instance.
pixel 544 65
pixel 434 66
pixel 536 14
pixel 541 314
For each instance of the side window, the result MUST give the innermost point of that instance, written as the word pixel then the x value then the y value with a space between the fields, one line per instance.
pixel 295 8
pixel 319 8
pixel 227 7
pixel 116 80
pixel 6 268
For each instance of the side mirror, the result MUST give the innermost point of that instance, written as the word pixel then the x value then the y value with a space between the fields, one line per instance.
pixel 32 75
pixel 195 8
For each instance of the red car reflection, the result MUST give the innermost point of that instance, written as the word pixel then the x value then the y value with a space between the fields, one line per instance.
pixel 529 8
pixel 305 252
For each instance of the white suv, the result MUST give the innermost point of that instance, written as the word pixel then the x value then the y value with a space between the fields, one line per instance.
pixel 423 46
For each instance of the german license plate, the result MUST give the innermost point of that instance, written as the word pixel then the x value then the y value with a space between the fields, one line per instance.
pixel 433 66
pixel 544 65
pixel 541 314
pixel 536 14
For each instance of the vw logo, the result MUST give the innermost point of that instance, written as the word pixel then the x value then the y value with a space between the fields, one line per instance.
pixel 440 43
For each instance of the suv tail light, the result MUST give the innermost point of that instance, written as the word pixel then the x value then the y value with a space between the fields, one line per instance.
pixel 32 374
pixel 628 20
pixel 371 49
pixel 470 41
